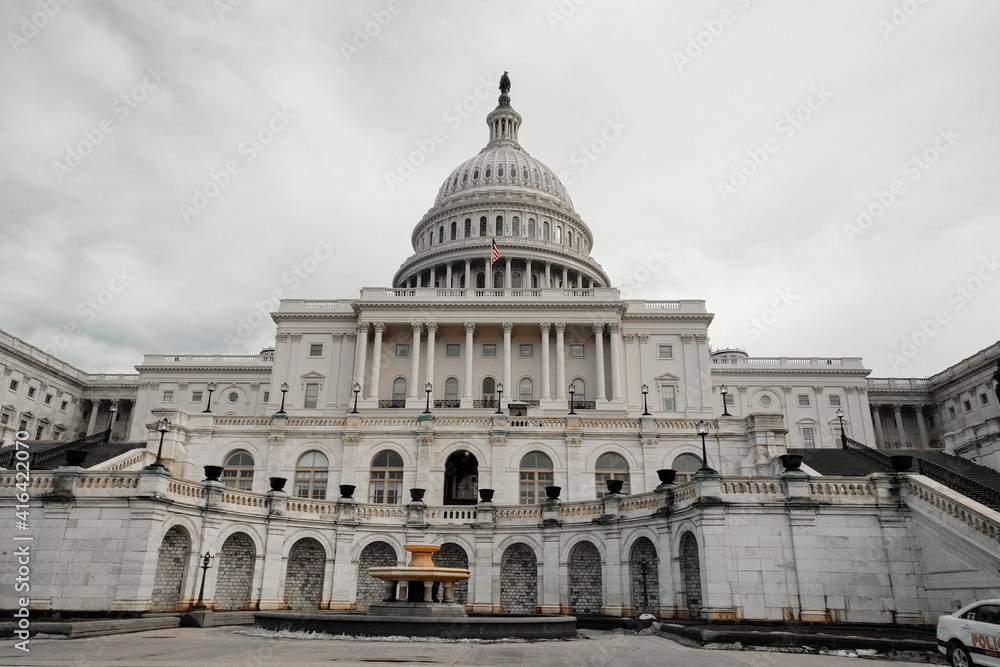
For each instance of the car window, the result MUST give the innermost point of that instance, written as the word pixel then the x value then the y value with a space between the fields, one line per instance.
pixel 987 613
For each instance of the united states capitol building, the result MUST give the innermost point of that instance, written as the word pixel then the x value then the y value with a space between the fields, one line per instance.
pixel 577 451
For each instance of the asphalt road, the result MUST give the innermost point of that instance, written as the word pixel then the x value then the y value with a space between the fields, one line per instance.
pixel 224 646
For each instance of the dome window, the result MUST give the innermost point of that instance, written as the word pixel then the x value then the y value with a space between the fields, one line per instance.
pixel 531 227
pixel 488 170
pixel 545 177
pixel 499 172
pixel 454 183
pixel 537 180
pixel 475 175
pixel 465 177
pixel 515 225
pixel 524 173
pixel 499 226
pixel 482 226
pixel 468 227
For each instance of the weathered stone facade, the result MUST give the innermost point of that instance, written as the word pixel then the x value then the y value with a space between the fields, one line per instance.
pixel 691 573
pixel 452 555
pixel 645 580
pixel 236 563
pixel 518 580
pixel 370 589
pixel 171 567
pixel 304 580
pixel 585 585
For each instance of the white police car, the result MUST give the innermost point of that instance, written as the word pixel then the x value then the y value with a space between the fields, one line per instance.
pixel 971 635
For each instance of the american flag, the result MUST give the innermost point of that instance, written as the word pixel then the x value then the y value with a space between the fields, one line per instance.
pixel 495 255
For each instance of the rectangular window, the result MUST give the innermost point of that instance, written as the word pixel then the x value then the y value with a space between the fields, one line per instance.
pixel 983 399
pixel 13 385
pixel 834 400
pixel 316 349
pixel 31 392
pixel 452 350
pixel 38 432
pixel 196 396
pixel 951 411
pixel 730 400
pixel 168 396
pixel 577 351
pixel 267 396
pixel 386 487
pixel 63 406
pixel 402 349
pixel 664 351
pixel 4 418
pixel 803 400
pixel 808 439
pixel 668 402
pixel 312 393
pixel 489 349
pixel 48 399
pixel 526 350
pixel 965 404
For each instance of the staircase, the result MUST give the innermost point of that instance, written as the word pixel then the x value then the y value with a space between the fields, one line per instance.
pixel 51 454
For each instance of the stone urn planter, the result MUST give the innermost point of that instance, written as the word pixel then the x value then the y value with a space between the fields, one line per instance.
pixel 791 461
pixel 552 492
pixel 666 475
pixel 417 495
pixel 75 457
pixel 347 491
pixel 486 495
pixel 213 473
pixel 277 483
pixel 614 485
pixel 901 463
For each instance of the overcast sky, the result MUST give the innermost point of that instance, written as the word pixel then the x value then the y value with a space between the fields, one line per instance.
pixel 167 168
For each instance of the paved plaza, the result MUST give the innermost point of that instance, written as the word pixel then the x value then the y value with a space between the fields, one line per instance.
pixel 225 646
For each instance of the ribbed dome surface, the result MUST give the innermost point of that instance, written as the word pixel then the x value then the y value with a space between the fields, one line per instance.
pixel 502 167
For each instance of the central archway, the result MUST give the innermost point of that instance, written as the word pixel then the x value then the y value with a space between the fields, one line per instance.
pixel 461 478
pixel 691 573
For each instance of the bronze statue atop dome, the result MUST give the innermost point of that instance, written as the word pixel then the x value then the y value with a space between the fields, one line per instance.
pixel 504 83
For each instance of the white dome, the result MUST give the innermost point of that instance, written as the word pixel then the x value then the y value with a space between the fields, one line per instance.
pixel 506 167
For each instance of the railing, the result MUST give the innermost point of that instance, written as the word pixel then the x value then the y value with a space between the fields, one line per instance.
pixel 871 454
pixel 967 487
pixel 484 403
pixel 49 455
pixel 792 362
pixel 392 403
pixel 203 359
pixel 448 403
pixel 583 405
pixel 897 383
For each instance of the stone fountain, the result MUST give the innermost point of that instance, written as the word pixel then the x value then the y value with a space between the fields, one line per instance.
pixel 419 585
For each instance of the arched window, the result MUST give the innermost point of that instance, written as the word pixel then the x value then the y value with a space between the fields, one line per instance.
pixel 481 280
pixel 579 390
pixel 489 393
pixel 454 231
pixel 498 280
pixel 515 279
pixel 525 390
pixel 536 474
pixel 569 237
pixel 399 389
pixel 499 225
pixel 524 173
pixel 558 237
pixel 311 474
pixel 465 177
pixel 545 231
pixel 488 171
pixel 385 485
pixel 686 465
pixel 237 471
pixel 475 174
pixel 451 393
pixel 610 466
pixel 515 226
pixel 500 171
pixel 468 227
pixel 531 227
pixel 482 226
pixel 441 234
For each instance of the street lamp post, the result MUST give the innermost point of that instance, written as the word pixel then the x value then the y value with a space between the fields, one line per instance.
pixel 163 425
pixel 112 410
pixel 208 406
pixel 843 436
pixel 703 431
pixel 572 403
pixel 499 397
pixel 284 390
pixel 428 388
pixel 724 390
pixel 205 564
pixel 357 390
pixel 645 405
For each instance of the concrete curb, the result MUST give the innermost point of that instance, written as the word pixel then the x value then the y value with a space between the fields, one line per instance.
pixel 77 628
pixel 782 638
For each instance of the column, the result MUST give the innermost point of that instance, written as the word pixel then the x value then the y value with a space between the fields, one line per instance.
pixel 447 275
pixel 507 277
pixel 376 360
pixel 92 424
pixel 526 280
pixel 924 440
pixel 546 385
pixel 877 422
pixel 507 328
pixel 599 356
pixel 616 384
pixel 897 411
pixel 548 275
pixel 470 329
pixel 468 274
pixel 420 278
pixel 361 351
pixel 411 386
pixel 579 281
pixel 565 279
pixel 433 278
pixel 560 357
pixel 431 335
